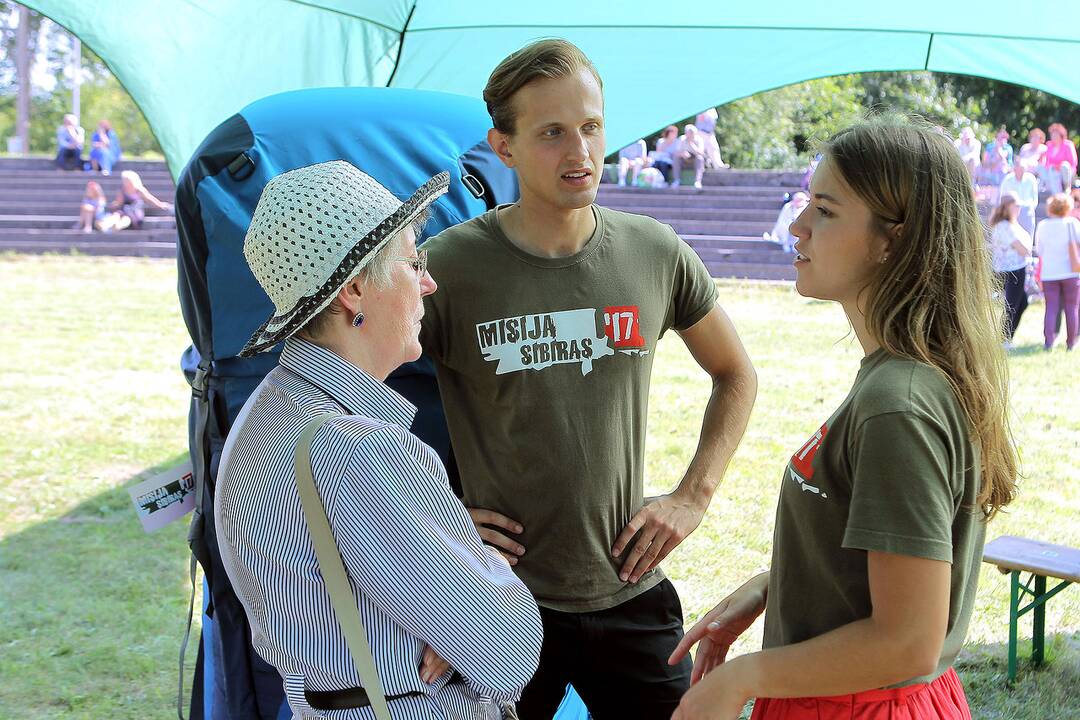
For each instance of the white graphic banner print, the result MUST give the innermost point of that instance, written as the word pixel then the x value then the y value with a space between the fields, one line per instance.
pixel 535 342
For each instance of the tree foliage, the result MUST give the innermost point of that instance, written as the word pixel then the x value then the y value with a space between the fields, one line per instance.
pixel 780 128
pixel 1016 107
pixel 101 95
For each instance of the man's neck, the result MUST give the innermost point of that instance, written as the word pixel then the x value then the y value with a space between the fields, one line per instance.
pixel 546 234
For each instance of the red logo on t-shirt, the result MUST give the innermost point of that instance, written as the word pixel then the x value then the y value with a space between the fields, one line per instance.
pixel 803 458
pixel 622 326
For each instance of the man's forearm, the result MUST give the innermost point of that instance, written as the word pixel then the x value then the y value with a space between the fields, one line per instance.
pixel 723 426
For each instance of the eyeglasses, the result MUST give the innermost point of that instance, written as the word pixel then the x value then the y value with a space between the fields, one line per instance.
pixel 419 263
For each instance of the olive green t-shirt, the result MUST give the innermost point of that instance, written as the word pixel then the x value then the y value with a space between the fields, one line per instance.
pixel 544 368
pixel 893 470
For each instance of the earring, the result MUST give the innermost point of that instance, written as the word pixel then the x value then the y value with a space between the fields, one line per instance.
pixel 884 259
pixel 358 319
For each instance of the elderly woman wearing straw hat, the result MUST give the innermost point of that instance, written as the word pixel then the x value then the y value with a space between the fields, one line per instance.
pixel 358 568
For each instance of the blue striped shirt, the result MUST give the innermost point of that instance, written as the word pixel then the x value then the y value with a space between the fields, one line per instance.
pixel 420 573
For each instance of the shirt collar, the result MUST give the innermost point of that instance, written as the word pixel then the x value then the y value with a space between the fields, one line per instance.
pixel 351 387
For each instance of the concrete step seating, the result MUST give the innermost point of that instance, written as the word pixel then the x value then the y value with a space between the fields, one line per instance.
pixel 39 205
pixel 723 220
pixel 66 221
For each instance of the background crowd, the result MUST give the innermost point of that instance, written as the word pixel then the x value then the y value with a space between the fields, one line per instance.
pixel 696 147
pixel 71 142
pixel 1032 258
pixel 128 207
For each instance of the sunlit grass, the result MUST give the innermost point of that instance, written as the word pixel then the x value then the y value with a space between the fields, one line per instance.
pixel 92 609
pixel 806 361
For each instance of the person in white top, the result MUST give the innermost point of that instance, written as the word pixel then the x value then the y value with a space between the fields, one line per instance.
pixel 691 148
pixel 705 122
pixel 632 159
pixel 1061 284
pixel 1011 245
pixel 969 148
pixel 666 145
pixel 1031 153
pixel 781 232
pixel 1025 187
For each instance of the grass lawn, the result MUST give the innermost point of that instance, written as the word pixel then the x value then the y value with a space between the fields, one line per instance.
pixel 92 609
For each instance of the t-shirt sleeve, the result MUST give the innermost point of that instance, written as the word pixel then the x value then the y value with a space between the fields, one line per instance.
pixel 693 292
pixel 902 499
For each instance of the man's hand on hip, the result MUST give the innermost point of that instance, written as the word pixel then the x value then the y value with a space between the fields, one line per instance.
pixel 660 526
pixel 486 521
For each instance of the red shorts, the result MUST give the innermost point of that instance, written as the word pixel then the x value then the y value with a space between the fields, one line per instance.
pixel 942 699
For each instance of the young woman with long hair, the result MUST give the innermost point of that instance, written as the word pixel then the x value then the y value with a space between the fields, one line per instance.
pixel 1011 247
pixel 882 511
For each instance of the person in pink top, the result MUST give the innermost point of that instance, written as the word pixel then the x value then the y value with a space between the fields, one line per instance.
pixel 1059 160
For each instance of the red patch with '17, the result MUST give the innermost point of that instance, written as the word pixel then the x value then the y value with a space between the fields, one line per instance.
pixel 803 458
pixel 623 327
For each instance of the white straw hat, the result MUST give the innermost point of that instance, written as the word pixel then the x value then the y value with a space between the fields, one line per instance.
pixel 314 229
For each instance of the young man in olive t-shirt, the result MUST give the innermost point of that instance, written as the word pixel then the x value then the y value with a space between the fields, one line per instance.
pixel 543 336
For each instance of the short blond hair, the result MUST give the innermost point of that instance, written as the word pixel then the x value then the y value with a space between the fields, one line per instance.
pixel 544 59
pixel 1059 205
pixel 378 273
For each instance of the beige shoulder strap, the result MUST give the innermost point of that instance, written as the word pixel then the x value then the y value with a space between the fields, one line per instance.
pixel 333 569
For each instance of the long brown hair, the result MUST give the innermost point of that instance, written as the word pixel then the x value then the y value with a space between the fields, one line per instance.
pixel 931 301
pixel 1001 210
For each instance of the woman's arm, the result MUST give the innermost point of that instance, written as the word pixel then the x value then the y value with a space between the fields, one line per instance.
pixel 722 625
pixel 149 197
pixel 901 639
pixel 1022 249
pixel 412 549
pixel 1004 237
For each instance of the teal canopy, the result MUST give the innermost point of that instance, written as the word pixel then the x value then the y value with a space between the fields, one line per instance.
pixel 190 64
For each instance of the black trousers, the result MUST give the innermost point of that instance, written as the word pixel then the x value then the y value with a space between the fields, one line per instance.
pixel 69 159
pixel 665 169
pixel 1016 300
pixel 615 658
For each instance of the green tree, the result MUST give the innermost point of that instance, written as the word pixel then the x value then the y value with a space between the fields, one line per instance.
pixel 101 95
pixel 104 98
pixel 1017 108
pixel 779 128
pixel 919 93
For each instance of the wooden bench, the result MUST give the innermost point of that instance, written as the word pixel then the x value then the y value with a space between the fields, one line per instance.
pixel 1016 555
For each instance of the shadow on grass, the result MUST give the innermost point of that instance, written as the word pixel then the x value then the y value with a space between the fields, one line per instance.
pixel 1047 692
pixel 92 610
